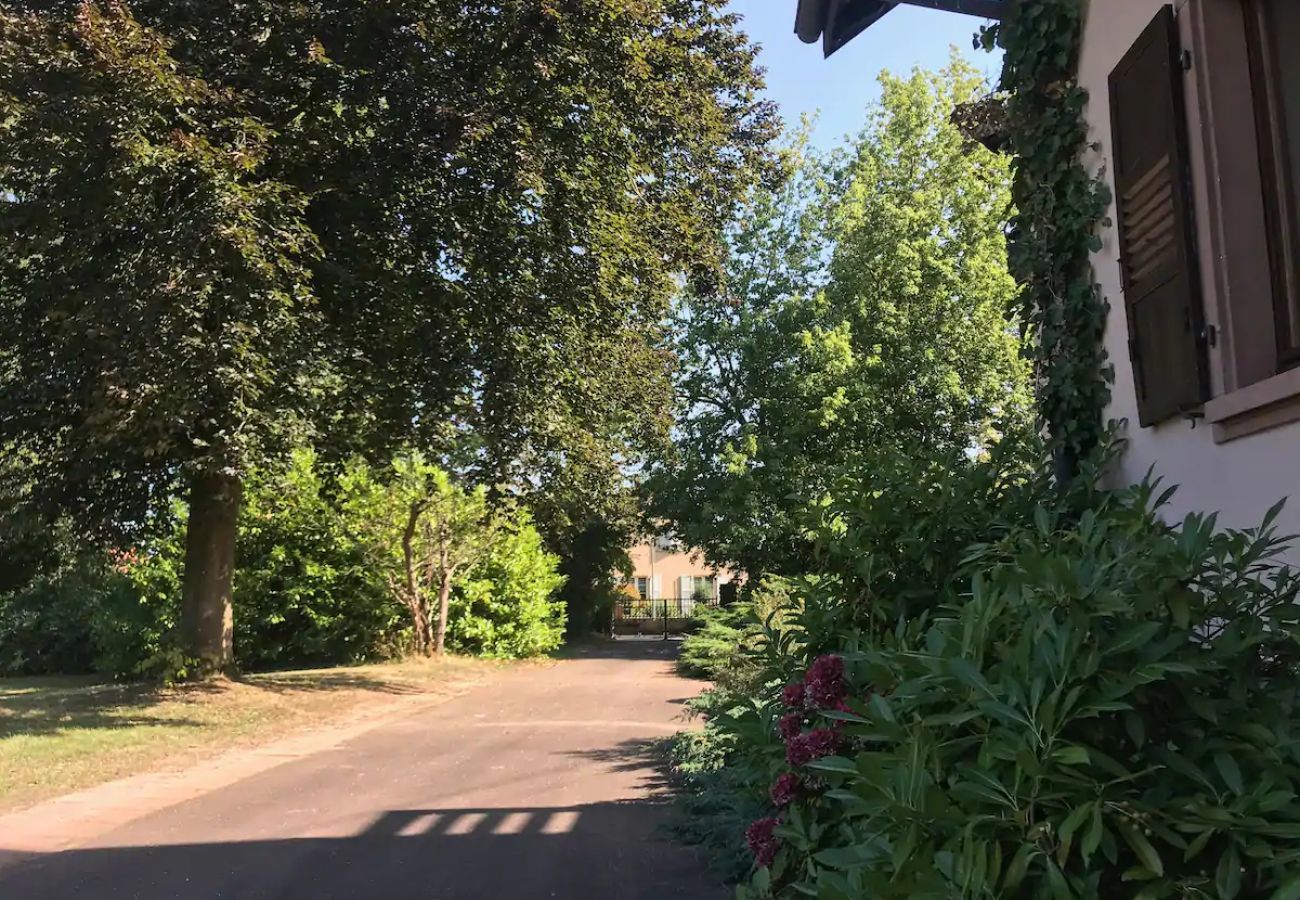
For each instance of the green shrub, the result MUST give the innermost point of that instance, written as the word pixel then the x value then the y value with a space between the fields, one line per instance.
pixel 44 627
pixel 136 612
pixel 720 641
pixel 108 614
pixel 1109 709
pixel 306 595
pixel 720 784
pixel 714 639
pixel 507 606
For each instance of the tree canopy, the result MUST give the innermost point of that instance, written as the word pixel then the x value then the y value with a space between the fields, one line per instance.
pixel 228 225
pixel 864 318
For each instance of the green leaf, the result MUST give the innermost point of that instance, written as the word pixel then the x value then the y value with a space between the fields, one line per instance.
pixel 1019 867
pixel 1073 821
pixel 1072 756
pixel 1092 837
pixel 1136 636
pixel 1227 877
pixel 968 674
pixel 1056 879
pixel 1289 891
pixel 1142 847
pixel 1230 771
pixel 836 764
pixel 880 706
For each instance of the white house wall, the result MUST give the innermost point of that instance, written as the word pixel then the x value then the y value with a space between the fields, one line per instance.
pixel 1242 478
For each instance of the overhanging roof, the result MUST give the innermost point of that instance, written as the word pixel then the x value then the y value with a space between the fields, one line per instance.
pixel 837 22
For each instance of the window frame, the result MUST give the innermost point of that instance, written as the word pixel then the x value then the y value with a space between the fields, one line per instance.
pixel 710 582
pixel 1279 183
pixel 1250 390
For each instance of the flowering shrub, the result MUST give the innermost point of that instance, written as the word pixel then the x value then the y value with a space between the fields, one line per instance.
pixel 1102 707
pixel 762 841
pixel 824 684
pixel 805 747
pixel 785 790
pixel 793 695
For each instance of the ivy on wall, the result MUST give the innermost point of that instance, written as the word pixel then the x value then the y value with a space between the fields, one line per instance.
pixel 1059 206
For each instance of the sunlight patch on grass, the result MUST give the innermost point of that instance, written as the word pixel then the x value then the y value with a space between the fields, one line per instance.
pixel 62 734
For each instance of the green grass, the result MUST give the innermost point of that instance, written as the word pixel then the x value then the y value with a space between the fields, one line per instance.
pixel 62 734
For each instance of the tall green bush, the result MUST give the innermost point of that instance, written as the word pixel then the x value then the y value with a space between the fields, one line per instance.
pixel 1097 705
pixel 308 596
pixel 112 614
pixel 508 606
pixel 311 591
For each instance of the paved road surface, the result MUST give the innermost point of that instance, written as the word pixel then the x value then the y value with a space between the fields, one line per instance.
pixel 535 786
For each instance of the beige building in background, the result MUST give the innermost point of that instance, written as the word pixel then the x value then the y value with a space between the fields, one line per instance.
pixel 1195 111
pixel 662 570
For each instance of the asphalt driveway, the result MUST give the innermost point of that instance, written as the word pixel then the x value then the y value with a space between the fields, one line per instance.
pixel 539 785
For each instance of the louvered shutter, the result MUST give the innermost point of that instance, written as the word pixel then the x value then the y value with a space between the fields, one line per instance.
pixel 1161 278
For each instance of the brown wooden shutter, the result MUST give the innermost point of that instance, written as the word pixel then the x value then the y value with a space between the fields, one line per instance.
pixel 1162 284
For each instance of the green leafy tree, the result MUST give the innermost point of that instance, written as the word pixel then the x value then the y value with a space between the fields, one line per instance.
pixel 158 300
pixel 586 507
pixel 421 531
pixel 226 225
pixel 864 319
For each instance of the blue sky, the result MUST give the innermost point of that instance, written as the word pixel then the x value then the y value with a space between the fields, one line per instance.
pixel 842 87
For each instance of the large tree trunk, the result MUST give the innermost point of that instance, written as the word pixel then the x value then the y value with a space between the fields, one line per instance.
pixel 444 602
pixel 207 618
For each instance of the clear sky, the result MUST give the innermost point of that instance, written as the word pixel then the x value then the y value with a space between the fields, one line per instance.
pixel 842 87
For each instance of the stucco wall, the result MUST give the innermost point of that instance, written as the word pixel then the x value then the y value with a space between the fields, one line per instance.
pixel 671 567
pixel 1241 478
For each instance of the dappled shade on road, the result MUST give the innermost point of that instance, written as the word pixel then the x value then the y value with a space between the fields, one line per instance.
pixel 542 783
pixel 600 851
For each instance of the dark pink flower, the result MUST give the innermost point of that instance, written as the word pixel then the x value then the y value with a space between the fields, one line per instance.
pixel 822 742
pixel 804 748
pixel 763 841
pixel 843 707
pixel 785 790
pixel 790 725
pixel 824 682
pixel 793 695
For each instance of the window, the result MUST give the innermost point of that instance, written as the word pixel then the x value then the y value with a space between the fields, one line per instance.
pixel 643 586
pixel 1273 35
pixel 702 588
pixel 1205 153
pixel 1159 263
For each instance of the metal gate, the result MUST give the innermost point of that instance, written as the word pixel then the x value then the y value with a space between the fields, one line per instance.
pixel 646 615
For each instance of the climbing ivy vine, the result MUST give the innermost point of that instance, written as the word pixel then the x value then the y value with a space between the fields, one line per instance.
pixel 1059 205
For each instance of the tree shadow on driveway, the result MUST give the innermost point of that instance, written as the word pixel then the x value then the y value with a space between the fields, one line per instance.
pixel 601 851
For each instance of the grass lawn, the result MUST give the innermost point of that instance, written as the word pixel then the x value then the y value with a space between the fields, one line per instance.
pixel 61 734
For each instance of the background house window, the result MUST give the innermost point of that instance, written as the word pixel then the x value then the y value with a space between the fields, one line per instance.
pixel 1273 29
pixel 703 588
pixel 696 587
pixel 643 587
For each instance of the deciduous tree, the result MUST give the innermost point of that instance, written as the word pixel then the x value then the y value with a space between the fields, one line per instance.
pixel 226 223
pixel 421 531
pixel 864 317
